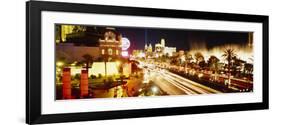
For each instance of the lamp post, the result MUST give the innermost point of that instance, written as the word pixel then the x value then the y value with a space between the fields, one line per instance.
pixel 105 67
pixel 154 90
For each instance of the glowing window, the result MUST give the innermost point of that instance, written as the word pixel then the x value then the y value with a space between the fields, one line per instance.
pixel 102 51
pixel 109 51
pixel 117 52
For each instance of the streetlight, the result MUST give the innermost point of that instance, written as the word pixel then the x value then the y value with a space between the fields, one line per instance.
pixel 59 66
pixel 154 89
pixel 117 63
pixel 59 63
pixel 200 75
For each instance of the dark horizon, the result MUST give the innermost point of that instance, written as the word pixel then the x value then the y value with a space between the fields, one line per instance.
pixel 182 39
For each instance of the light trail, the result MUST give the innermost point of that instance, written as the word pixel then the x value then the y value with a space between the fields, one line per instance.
pixel 175 84
pixel 186 90
pixel 187 86
pixel 189 82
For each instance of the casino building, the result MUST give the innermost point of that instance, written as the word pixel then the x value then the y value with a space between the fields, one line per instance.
pixel 110 44
pixel 98 43
pixel 160 49
pixel 105 45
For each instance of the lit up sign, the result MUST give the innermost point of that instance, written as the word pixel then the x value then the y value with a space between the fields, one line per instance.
pixel 125 43
pixel 125 53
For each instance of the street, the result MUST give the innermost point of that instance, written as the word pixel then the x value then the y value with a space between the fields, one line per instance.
pixel 174 84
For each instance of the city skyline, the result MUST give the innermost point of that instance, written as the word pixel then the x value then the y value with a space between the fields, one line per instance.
pixel 183 39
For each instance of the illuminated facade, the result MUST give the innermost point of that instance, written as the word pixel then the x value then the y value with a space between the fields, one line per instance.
pixel 169 51
pixel 138 53
pixel 160 49
pixel 66 29
pixel 99 68
pixel 148 48
pixel 110 44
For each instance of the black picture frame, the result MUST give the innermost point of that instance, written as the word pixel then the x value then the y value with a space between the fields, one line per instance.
pixel 33 61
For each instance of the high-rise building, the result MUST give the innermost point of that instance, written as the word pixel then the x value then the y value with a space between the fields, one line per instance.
pixel 162 42
pixel 159 50
pixel 169 51
pixel 65 30
pixel 145 47
pixel 162 49
pixel 149 49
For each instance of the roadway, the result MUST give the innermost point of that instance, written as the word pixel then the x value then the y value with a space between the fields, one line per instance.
pixel 174 84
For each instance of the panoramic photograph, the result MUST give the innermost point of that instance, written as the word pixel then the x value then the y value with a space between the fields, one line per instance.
pixel 118 62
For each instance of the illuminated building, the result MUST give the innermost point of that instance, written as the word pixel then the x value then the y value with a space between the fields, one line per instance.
pixel 138 53
pixel 112 69
pixel 89 41
pixel 148 50
pixel 99 68
pixel 65 30
pixel 145 47
pixel 78 35
pixel 127 69
pixel 169 51
pixel 162 42
pixel 161 49
pixel 110 44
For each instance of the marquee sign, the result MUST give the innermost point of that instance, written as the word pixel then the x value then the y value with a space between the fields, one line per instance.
pixel 125 43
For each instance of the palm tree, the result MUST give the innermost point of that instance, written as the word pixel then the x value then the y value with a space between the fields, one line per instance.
pixel 229 54
pixel 200 61
pixel 198 57
pixel 105 59
pixel 88 59
pixel 189 59
pixel 213 64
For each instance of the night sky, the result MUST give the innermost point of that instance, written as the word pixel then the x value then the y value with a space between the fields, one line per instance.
pixel 182 39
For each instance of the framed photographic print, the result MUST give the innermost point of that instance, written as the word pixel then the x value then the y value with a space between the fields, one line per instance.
pixel 94 62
